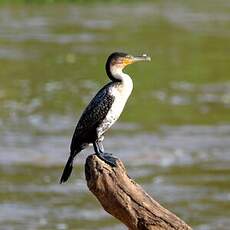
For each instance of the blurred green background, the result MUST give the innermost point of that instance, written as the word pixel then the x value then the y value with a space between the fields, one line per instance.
pixel 173 136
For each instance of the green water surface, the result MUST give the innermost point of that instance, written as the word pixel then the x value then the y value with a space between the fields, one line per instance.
pixel 174 135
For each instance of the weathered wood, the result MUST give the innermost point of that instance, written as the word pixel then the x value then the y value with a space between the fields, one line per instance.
pixel 126 200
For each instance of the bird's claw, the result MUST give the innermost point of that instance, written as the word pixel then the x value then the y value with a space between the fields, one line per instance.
pixel 108 158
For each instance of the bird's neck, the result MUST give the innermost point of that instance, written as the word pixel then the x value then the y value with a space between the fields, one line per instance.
pixel 126 83
pixel 116 74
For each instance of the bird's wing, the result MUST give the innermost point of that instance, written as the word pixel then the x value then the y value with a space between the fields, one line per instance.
pixel 94 113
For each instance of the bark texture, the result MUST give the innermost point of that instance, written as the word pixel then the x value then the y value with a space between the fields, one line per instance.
pixel 126 200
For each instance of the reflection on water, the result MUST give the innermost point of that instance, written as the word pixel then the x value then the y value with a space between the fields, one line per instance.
pixel 173 136
pixel 172 146
pixel 185 93
pixel 186 168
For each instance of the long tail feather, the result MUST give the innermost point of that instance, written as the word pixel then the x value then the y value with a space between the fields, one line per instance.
pixel 67 170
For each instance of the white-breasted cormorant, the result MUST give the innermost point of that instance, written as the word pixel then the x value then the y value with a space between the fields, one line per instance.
pixel 103 110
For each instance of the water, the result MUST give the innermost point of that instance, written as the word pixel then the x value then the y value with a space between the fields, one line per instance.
pixel 173 135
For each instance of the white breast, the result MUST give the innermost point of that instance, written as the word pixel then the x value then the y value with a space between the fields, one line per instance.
pixel 121 95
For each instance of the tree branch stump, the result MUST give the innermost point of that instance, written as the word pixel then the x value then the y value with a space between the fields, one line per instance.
pixel 126 200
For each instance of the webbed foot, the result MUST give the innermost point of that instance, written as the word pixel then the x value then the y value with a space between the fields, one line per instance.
pixel 108 158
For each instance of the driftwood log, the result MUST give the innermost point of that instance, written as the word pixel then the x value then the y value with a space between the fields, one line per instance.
pixel 126 200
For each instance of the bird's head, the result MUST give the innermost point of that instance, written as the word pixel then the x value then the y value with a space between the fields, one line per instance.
pixel 116 62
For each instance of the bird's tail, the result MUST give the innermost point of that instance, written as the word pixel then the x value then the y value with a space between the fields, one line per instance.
pixel 67 170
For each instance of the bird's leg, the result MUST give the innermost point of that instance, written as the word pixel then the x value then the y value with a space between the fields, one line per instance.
pixel 106 157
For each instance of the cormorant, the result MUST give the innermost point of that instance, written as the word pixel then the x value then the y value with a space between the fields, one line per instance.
pixel 103 110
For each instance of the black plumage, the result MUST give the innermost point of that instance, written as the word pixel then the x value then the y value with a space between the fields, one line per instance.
pixel 86 129
pixel 92 118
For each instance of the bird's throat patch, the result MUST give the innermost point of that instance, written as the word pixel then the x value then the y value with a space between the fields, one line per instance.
pixel 127 61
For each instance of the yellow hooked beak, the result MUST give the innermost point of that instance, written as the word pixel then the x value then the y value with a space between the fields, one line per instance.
pixel 131 59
